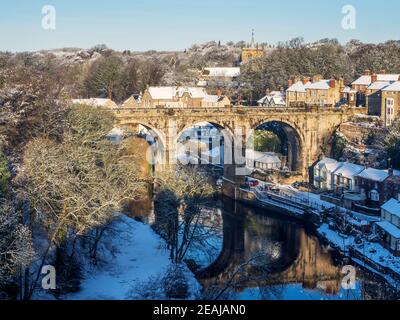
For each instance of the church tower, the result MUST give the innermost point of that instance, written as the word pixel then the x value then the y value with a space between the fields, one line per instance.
pixel 252 50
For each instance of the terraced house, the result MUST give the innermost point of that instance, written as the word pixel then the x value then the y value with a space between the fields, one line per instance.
pixel 379 93
pixel 317 91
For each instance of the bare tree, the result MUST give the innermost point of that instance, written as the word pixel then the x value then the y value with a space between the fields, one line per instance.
pixel 80 183
pixel 15 244
pixel 182 194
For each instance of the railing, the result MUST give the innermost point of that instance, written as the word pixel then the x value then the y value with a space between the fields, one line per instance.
pixel 304 203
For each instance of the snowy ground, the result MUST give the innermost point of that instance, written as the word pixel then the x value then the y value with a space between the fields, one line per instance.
pixel 139 254
pixel 338 241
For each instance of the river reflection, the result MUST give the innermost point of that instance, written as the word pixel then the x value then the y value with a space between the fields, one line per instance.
pixel 265 255
pixel 255 254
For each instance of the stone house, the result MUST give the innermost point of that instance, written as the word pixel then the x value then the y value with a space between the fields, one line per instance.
pixel 390 103
pixel 369 92
pixel 325 92
pixel 296 91
pixel 317 91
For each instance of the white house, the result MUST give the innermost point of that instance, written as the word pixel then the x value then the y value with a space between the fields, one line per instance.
pixel 262 161
pixel 389 227
pixel 344 177
pixel 323 173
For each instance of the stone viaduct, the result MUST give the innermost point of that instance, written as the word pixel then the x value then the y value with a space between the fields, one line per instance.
pixel 307 128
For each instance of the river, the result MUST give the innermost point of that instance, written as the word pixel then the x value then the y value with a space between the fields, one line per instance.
pixel 260 255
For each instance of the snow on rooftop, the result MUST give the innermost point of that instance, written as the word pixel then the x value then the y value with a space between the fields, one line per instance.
pixel 269 157
pixel 392 206
pixel 379 85
pixel 349 90
pixel 263 157
pixel 211 98
pixel 320 85
pixel 348 170
pixel 374 174
pixel 395 86
pixel 330 164
pixel 390 228
pixel 299 86
pixel 367 80
pixel 168 93
pixel 226 72
pixel 277 97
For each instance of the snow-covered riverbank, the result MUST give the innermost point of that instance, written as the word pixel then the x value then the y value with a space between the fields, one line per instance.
pixel 134 254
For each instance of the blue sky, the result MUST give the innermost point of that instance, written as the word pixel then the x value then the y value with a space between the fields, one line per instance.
pixel 177 24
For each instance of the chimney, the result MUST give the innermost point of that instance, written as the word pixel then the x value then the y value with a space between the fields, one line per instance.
pixel 219 92
pixel 306 80
pixel 391 172
pixel 374 78
pixel 367 72
pixel 290 83
pixel 383 71
pixel 332 83
pixel 267 91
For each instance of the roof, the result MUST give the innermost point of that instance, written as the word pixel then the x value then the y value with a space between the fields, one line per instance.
pixel 133 101
pixel 96 102
pixel 349 90
pixel 299 86
pixel 277 97
pixel 392 206
pixel 379 85
pixel 395 86
pixel 226 72
pixel 330 164
pixel 269 157
pixel 168 93
pixel 213 98
pixel 389 228
pixel 348 170
pixel 374 175
pixel 367 80
pixel 320 85
pixel 263 157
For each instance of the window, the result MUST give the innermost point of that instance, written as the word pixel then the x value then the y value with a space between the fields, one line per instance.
pixel 389 111
pixel 374 195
